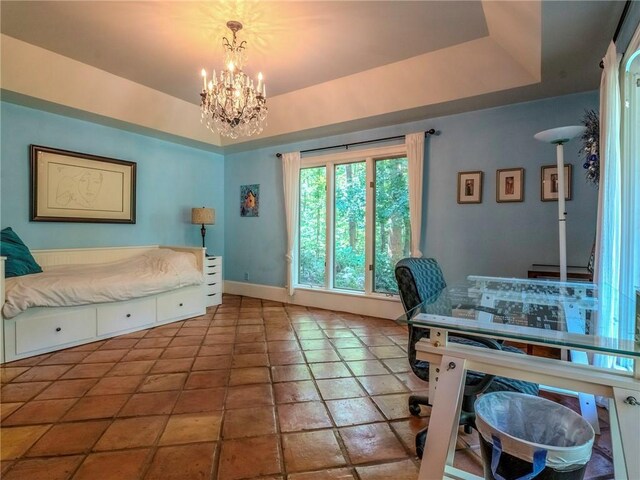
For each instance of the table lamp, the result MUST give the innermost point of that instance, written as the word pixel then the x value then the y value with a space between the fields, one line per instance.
pixel 559 136
pixel 203 216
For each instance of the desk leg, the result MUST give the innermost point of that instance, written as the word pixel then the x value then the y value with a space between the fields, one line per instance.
pixel 588 407
pixel 444 420
pixel 624 438
pixel 589 410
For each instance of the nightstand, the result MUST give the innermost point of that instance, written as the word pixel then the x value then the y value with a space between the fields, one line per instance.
pixel 213 280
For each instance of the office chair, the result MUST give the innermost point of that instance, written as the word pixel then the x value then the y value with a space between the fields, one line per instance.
pixel 420 280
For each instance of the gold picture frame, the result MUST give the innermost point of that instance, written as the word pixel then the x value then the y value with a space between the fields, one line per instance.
pixel 510 185
pixel 77 187
pixel 549 182
pixel 470 187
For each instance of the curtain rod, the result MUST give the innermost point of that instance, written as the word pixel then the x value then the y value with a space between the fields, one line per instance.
pixel 623 16
pixel 347 145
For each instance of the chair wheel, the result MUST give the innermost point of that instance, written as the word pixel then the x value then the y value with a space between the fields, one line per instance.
pixel 414 409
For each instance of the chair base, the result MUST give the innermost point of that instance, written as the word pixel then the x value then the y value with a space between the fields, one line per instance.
pixel 467 418
pixel 414 404
pixel 421 438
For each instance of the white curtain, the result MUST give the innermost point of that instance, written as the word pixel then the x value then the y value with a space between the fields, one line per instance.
pixel 609 227
pixel 291 183
pixel 415 157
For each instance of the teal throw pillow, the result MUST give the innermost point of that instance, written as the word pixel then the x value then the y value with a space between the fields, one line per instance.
pixel 19 259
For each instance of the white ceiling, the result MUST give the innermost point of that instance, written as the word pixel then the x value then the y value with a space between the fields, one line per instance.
pixel 164 45
pixel 331 66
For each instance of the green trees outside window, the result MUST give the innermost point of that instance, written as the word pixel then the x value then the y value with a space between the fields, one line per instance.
pixel 392 227
pixel 313 226
pixel 349 230
pixel 388 234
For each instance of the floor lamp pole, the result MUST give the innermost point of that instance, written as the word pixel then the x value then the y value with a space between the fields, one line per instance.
pixel 559 136
pixel 562 214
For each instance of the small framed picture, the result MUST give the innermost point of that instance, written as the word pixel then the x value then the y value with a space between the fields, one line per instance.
pixel 469 187
pixel 510 185
pixel 549 183
pixel 250 200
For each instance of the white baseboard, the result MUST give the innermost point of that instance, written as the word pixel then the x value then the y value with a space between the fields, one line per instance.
pixel 361 305
pixel 265 292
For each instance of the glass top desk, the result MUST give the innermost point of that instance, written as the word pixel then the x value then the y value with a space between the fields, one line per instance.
pixel 538 312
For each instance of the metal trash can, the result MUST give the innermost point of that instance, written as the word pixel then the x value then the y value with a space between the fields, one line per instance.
pixel 523 437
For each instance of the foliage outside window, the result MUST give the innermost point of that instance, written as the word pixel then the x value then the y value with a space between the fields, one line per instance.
pixel 338 248
pixel 313 223
pixel 349 226
pixel 393 227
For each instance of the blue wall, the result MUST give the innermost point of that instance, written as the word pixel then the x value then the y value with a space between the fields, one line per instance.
pixel 485 239
pixel 171 180
pixel 490 238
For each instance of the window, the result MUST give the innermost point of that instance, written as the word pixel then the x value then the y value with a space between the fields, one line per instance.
pixel 349 226
pixel 313 230
pixel 630 193
pixel 392 226
pixel 354 220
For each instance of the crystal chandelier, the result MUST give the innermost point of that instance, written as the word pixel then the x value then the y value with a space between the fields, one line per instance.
pixel 231 104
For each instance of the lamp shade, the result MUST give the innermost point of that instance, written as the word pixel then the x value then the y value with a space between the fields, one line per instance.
pixel 203 216
pixel 560 134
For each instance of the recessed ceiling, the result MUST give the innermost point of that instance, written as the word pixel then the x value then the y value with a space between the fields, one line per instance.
pixel 330 67
pixel 164 45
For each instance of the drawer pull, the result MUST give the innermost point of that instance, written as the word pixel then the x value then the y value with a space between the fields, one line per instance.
pixel 212 273
pixel 181 304
pixel 128 315
pixel 211 294
pixel 58 329
pixel 211 284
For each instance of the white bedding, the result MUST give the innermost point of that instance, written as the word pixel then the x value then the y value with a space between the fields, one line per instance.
pixel 150 273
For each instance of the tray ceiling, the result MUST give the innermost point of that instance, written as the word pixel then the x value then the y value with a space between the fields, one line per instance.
pixel 164 45
pixel 330 67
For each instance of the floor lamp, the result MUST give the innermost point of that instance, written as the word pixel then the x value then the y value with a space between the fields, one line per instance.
pixel 559 136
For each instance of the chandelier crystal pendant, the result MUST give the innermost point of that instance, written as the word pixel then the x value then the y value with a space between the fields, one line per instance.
pixel 232 104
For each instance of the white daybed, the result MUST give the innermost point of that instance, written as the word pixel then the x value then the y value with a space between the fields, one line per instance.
pixel 44 329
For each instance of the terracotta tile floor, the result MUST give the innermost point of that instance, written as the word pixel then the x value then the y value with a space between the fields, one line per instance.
pixel 252 390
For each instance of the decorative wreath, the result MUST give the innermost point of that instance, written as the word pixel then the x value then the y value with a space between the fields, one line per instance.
pixel 590 147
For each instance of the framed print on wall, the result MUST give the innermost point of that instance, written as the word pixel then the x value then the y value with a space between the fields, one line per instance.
pixel 549 183
pixel 78 187
pixel 469 187
pixel 250 200
pixel 510 185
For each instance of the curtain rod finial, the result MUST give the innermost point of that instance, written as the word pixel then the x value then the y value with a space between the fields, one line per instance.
pixel 279 155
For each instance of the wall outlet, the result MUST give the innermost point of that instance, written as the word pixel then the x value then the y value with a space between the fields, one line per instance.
pixel 246 276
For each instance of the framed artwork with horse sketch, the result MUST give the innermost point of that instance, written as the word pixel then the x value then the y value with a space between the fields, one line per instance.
pixel 78 187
